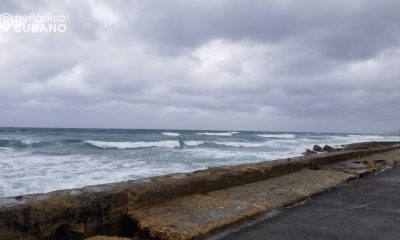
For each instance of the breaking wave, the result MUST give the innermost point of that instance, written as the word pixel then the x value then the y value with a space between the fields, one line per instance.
pixel 193 143
pixel 285 135
pixel 172 134
pixel 217 133
pixel 129 145
pixel 242 144
pixel 21 143
pixel 41 160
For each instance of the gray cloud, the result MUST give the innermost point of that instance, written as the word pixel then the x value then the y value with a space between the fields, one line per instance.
pixel 268 65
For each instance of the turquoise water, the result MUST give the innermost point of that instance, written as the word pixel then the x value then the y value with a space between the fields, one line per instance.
pixel 36 160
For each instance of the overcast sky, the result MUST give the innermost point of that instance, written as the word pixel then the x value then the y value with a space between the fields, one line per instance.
pixel 318 65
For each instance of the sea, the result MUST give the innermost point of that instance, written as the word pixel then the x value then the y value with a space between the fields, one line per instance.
pixel 37 160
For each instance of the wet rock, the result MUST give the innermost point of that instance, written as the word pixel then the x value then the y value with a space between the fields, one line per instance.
pixel 317 148
pixel 328 148
pixel 19 198
pixel 309 152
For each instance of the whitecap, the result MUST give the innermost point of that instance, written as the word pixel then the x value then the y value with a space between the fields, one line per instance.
pixel 285 135
pixel 367 137
pixel 242 144
pixel 172 134
pixel 29 141
pixel 276 143
pixel 217 133
pixel 193 143
pixel 128 145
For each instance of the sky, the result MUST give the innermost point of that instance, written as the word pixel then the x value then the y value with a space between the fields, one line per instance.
pixel 274 65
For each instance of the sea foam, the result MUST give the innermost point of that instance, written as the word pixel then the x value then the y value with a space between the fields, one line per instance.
pixel 285 135
pixel 242 144
pixel 172 134
pixel 41 160
pixel 217 133
pixel 193 143
pixel 128 145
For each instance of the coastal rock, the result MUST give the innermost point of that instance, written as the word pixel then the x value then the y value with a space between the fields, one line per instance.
pixel 328 148
pixel 309 152
pixel 317 148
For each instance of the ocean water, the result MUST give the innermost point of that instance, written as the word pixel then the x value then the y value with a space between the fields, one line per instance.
pixel 34 160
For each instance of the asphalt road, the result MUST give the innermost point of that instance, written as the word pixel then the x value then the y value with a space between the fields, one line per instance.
pixel 368 208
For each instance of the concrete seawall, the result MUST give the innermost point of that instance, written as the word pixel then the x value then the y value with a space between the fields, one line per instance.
pixel 107 209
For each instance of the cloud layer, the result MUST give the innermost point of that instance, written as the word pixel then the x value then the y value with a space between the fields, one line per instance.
pixel 202 64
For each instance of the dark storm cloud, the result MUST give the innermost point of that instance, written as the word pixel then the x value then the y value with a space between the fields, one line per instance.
pixel 290 65
pixel 340 29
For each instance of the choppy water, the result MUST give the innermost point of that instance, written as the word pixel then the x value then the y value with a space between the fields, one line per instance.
pixel 42 160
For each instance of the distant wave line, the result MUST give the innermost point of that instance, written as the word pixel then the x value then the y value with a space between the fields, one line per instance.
pixel 285 135
pixel 173 134
pixel 128 145
pixel 217 133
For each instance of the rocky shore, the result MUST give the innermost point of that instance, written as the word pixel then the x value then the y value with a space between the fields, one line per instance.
pixel 190 205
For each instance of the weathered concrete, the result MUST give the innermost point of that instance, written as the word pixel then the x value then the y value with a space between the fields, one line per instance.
pixel 135 207
pixel 366 209
pixel 196 215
